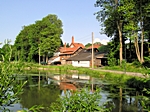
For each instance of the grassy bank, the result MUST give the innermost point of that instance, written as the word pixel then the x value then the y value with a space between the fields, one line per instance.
pixel 121 80
pixel 128 67
pixel 118 78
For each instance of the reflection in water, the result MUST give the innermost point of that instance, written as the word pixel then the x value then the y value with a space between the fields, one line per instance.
pixel 39 83
pixel 120 102
pixel 123 99
pixel 38 92
pixel 43 89
pixel 66 86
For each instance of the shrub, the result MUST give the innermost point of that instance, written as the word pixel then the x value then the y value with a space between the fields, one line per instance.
pixel 79 101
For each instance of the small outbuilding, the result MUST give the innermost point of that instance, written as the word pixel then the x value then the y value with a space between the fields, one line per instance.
pixel 84 59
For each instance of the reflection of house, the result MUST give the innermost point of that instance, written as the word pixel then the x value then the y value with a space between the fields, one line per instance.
pixel 85 77
pixel 67 52
pixel 66 86
pixel 72 82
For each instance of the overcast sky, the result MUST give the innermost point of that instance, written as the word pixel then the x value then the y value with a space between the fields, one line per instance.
pixel 77 17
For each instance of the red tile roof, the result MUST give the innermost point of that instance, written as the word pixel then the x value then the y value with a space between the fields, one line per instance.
pixel 73 48
pixel 94 46
pixel 77 45
pixel 68 50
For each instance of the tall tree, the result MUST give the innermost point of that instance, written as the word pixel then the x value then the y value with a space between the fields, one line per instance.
pixel 109 9
pixel 50 35
pixel 22 44
pixel 130 18
pixel 135 13
pixel 44 35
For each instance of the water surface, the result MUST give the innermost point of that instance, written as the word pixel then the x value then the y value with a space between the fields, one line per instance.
pixel 45 88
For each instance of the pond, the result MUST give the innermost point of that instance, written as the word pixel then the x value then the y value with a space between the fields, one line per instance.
pixel 43 88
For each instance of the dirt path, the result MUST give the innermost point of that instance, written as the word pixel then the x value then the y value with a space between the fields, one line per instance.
pixel 122 72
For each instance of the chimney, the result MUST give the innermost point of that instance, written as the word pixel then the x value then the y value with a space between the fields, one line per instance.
pixel 65 45
pixel 72 39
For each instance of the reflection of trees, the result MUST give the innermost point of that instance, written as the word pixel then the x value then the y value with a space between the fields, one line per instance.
pixel 33 96
pixel 120 95
pixel 122 100
pixel 33 80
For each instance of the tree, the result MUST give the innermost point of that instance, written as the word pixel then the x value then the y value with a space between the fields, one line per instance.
pixel 51 33
pixel 97 43
pixel 67 45
pixel 109 9
pixel 104 48
pixel 9 87
pixel 88 45
pixel 22 43
pixel 44 36
pixel 135 14
pixel 126 19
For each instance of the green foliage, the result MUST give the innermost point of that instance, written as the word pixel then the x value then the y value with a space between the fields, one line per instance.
pixel 145 101
pixel 130 67
pixel 44 34
pixel 67 45
pixel 146 64
pixel 113 53
pixel 104 48
pixel 79 101
pixel 9 87
pixel 142 85
pixel 132 16
pixel 50 36
pixel 136 64
pixel 30 98
pixel 88 45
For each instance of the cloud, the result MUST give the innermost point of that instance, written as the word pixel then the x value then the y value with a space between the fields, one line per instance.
pixel 103 41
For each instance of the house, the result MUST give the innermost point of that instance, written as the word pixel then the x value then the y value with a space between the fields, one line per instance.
pixel 101 59
pixel 84 59
pixel 67 52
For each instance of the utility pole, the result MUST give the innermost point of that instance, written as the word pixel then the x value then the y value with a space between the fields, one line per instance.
pixel 92 51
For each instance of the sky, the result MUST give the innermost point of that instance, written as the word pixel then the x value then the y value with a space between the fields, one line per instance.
pixel 77 17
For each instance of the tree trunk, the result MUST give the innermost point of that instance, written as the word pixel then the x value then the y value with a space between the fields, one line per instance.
pixel 142 41
pixel 137 48
pixel 142 32
pixel 119 26
pixel 46 58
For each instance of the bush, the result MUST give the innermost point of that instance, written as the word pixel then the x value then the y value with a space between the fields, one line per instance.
pixel 136 64
pixel 79 101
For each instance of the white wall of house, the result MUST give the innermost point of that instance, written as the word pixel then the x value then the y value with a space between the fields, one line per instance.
pixel 56 54
pixel 56 59
pixel 81 63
